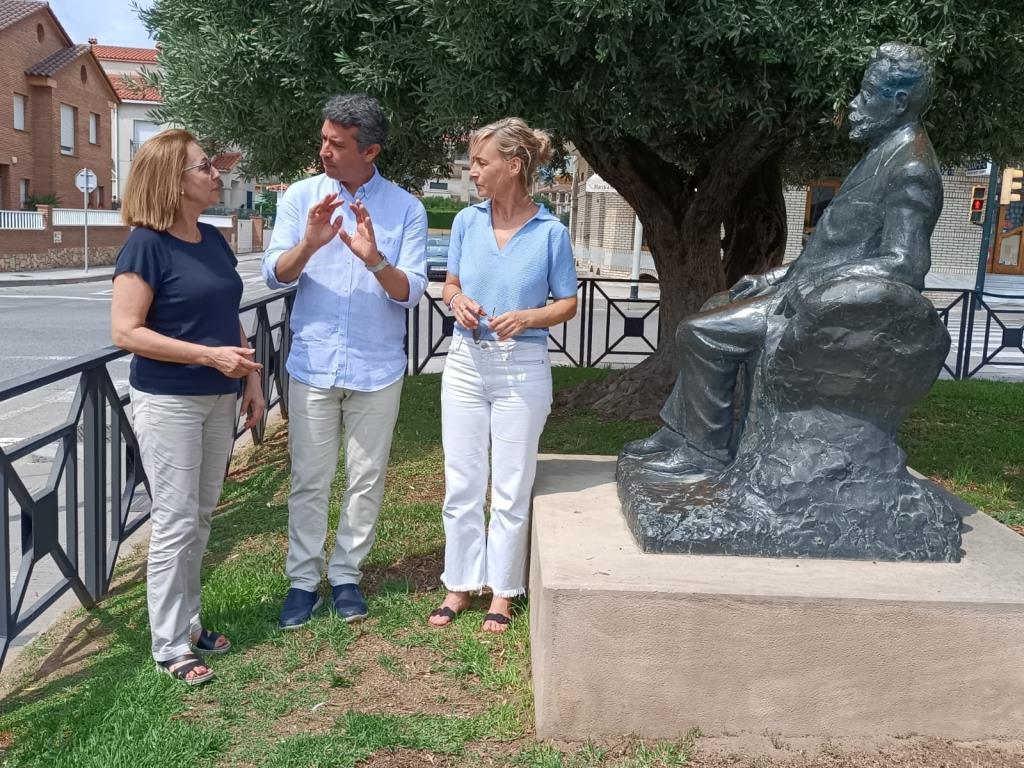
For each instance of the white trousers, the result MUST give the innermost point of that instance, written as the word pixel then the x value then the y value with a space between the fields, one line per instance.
pixel 497 396
pixel 185 444
pixel 317 418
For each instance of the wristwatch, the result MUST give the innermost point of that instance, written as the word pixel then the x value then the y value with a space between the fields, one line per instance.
pixel 379 265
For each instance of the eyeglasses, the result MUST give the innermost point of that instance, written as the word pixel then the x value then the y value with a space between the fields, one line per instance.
pixel 206 166
pixel 478 332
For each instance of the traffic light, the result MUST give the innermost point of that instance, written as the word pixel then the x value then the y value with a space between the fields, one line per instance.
pixel 978 196
pixel 1013 186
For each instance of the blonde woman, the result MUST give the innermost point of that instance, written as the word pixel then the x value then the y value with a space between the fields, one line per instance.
pixel 175 306
pixel 508 256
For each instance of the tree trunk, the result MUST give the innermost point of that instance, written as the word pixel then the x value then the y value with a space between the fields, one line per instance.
pixel 682 214
pixel 755 225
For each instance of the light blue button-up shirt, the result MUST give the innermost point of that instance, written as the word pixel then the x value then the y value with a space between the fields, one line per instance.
pixel 346 331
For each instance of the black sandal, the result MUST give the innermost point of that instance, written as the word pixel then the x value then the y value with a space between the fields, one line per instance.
pixel 447 612
pixel 497 618
pixel 189 662
pixel 207 643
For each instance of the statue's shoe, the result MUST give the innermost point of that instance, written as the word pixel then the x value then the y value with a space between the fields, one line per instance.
pixel 685 460
pixel 661 441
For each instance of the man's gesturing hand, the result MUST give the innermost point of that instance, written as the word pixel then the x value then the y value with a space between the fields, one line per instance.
pixel 319 227
pixel 362 242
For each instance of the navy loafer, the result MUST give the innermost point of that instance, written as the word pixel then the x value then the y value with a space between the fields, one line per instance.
pixel 299 607
pixel 349 602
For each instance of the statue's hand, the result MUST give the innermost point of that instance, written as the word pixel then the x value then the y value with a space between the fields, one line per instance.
pixel 747 286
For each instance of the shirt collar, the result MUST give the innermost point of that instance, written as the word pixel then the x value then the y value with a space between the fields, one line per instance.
pixel 542 214
pixel 369 188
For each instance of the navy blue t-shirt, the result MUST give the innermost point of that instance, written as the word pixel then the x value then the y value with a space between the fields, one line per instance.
pixel 196 295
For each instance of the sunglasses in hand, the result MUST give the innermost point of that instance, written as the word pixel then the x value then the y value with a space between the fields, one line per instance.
pixel 478 332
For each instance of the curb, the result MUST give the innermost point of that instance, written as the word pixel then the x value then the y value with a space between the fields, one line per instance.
pixel 30 281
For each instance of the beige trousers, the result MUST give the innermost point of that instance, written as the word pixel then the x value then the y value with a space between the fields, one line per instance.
pixel 318 419
pixel 185 444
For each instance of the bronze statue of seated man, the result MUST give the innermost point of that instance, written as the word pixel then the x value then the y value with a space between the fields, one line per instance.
pixel 878 226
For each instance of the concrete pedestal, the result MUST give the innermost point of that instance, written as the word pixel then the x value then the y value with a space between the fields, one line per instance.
pixel 654 644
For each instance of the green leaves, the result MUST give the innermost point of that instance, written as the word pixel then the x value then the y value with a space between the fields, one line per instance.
pixel 255 73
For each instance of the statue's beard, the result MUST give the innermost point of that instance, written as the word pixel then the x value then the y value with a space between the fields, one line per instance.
pixel 864 128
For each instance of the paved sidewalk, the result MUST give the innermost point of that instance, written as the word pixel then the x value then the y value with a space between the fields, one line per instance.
pixel 55 277
pixel 68 276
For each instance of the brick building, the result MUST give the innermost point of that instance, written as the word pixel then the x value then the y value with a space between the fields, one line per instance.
pixel 133 124
pixel 56 105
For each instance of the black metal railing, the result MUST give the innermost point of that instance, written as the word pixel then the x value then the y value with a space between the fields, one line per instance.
pixel 614 328
pixel 986 331
pixel 85 507
pixel 610 328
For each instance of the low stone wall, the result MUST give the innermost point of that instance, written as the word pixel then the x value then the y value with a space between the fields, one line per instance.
pixel 58 258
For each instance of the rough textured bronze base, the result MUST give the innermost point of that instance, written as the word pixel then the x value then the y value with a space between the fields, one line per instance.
pixel 881 516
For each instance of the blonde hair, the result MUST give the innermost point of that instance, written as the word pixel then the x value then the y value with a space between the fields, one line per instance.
pixel 152 194
pixel 514 138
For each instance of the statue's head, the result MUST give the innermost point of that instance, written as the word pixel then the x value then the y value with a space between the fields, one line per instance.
pixel 896 90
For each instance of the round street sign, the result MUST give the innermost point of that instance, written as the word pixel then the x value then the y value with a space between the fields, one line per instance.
pixel 85 180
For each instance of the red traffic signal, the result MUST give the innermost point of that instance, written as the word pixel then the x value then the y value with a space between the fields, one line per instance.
pixel 977 213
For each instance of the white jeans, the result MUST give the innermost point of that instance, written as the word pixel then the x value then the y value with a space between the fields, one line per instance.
pixel 494 395
pixel 185 444
pixel 316 420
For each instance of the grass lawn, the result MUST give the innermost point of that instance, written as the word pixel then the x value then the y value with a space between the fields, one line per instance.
pixel 392 691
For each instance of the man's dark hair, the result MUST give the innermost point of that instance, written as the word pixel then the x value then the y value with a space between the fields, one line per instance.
pixel 362 111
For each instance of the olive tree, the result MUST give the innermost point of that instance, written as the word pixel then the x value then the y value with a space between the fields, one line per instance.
pixel 693 110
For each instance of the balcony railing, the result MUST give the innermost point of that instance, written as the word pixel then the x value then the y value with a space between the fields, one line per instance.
pixel 26 220
pixel 75 217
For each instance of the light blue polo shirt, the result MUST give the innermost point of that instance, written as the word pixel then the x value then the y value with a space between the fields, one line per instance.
pixel 534 264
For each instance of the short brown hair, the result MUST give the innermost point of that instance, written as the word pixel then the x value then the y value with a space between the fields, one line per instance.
pixel 152 194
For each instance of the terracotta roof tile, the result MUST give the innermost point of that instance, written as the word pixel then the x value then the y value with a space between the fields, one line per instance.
pixel 12 11
pixel 121 53
pixel 226 161
pixel 134 88
pixel 55 62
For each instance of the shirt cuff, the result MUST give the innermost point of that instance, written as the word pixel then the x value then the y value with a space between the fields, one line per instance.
pixel 417 287
pixel 270 273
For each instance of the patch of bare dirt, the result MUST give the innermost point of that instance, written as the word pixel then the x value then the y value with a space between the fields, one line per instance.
pixel 376 677
pixel 422 489
pixel 249 458
pixel 406 758
pixel 774 751
pixel 422 573
pixel 273 544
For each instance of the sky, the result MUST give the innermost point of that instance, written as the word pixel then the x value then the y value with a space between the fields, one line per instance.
pixel 111 22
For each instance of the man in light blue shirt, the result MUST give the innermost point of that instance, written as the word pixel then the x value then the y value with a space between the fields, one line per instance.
pixel 354 244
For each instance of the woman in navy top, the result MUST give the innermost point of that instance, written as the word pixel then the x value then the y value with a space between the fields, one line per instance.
pixel 507 257
pixel 175 305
